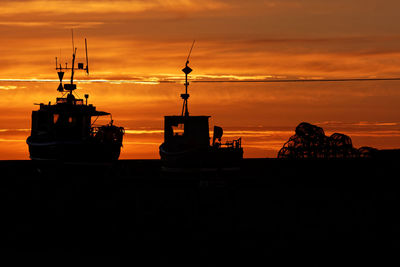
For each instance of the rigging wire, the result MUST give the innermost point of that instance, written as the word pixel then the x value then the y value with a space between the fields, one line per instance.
pixel 298 80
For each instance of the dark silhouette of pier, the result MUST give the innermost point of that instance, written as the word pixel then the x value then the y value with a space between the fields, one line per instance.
pixel 314 211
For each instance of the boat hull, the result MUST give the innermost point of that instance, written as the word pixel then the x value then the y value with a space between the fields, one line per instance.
pixel 205 159
pixel 73 150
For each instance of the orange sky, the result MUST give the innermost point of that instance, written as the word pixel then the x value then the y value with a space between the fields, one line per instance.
pixel 149 40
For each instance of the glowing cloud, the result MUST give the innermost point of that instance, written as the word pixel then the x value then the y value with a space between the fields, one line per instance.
pixel 96 6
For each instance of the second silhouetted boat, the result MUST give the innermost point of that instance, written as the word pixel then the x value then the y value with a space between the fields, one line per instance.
pixel 187 145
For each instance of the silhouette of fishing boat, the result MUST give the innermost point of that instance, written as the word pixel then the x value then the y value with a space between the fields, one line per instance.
pixel 66 130
pixel 187 145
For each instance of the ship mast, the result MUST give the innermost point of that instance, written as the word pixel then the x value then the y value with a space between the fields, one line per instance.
pixel 71 86
pixel 185 96
pixel 73 58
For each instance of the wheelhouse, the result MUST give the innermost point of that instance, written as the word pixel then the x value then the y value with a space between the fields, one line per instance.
pixel 65 120
pixel 186 131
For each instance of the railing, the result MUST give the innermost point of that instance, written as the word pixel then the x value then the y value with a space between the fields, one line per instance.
pixel 64 100
pixel 231 144
pixel 107 133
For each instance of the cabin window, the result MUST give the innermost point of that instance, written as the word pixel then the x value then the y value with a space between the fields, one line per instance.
pixel 72 121
pixel 178 130
pixel 43 121
pixel 55 118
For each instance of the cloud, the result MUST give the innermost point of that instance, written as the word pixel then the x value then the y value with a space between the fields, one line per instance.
pixel 14 130
pixel 8 87
pixel 24 23
pixel 96 6
pixel 366 123
pixel 12 140
pixel 151 81
pixel 66 25
pixel 361 123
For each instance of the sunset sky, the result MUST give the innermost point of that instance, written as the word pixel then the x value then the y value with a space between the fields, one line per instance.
pixel 136 45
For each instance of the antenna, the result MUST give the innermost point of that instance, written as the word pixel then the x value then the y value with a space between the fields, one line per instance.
pixel 185 96
pixel 73 45
pixel 187 60
pixel 73 68
pixel 87 59
pixel 61 70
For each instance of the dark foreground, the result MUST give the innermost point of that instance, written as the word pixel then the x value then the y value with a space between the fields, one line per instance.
pixel 277 212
